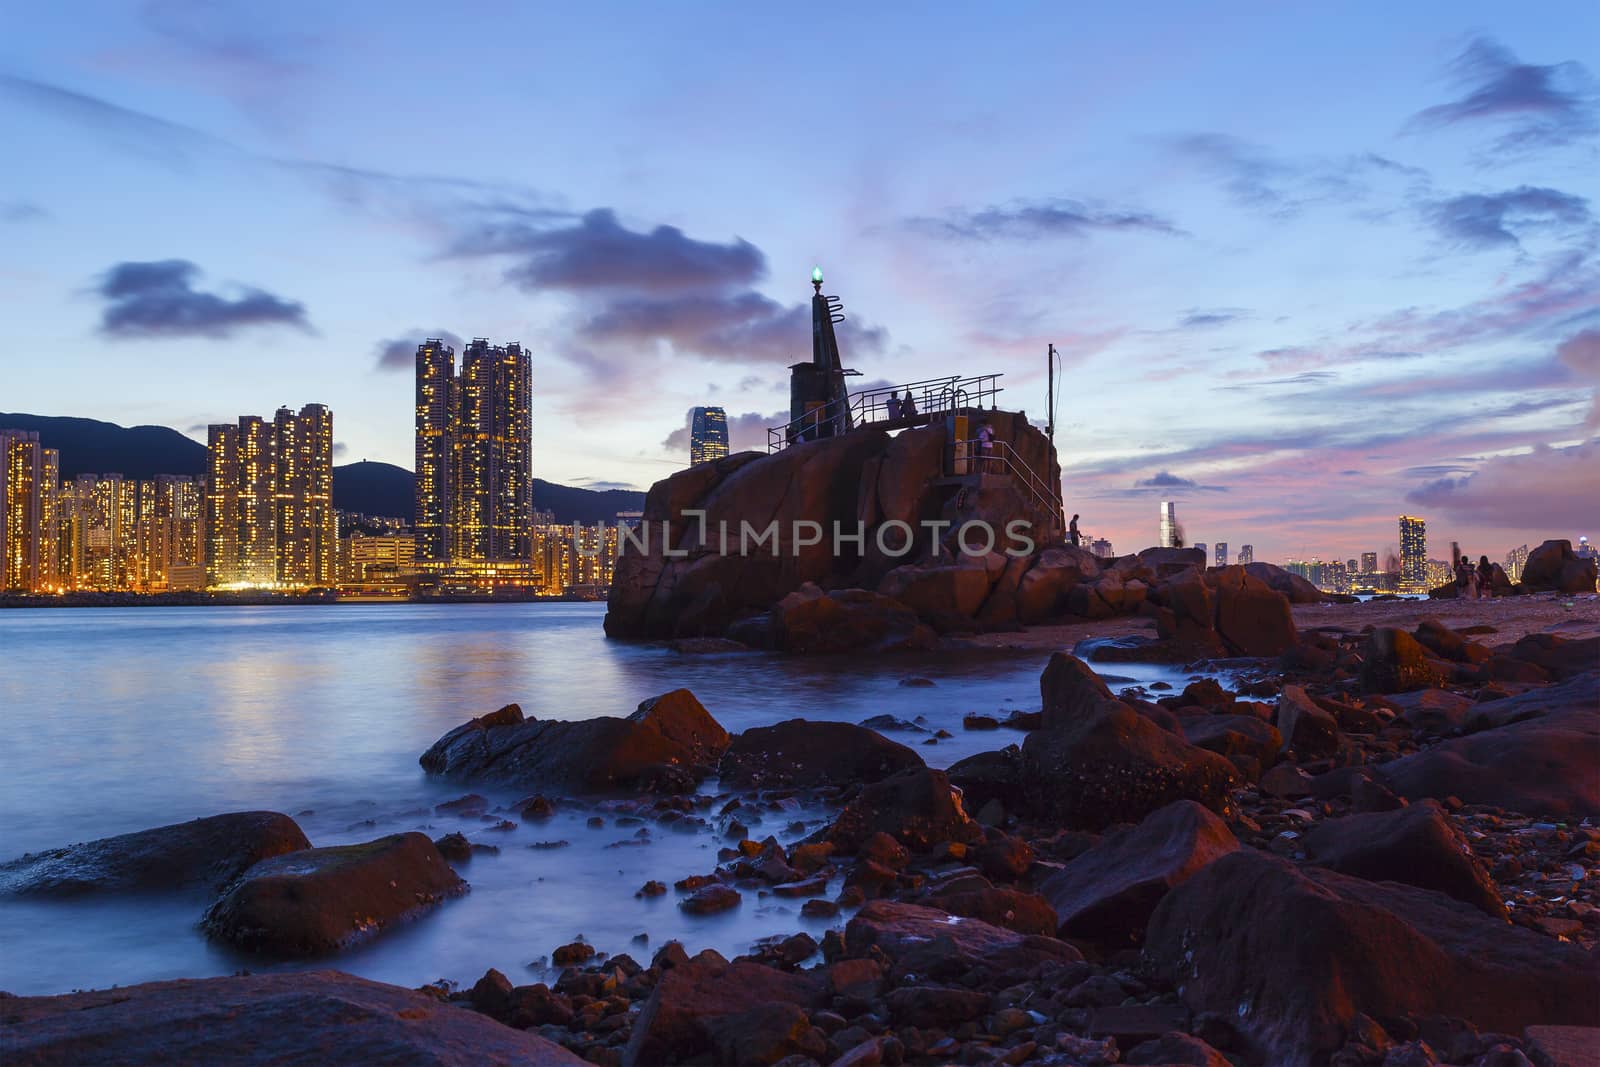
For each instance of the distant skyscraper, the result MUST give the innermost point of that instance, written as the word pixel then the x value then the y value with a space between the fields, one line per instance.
pixel 1247 555
pixel 1585 550
pixel 1369 563
pixel 1413 554
pixel 22 469
pixel 1222 553
pixel 1516 559
pixel 436 386
pixel 708 435
pixel 269 501
pixel 1169 524
pixel 1102 548
pixel 1350 566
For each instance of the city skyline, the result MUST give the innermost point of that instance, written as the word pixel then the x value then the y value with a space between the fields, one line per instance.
pixel 1298 329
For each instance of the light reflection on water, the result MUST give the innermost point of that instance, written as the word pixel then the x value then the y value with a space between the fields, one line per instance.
pixel 121 719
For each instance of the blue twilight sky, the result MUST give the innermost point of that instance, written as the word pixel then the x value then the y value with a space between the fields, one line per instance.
pixel 1309 266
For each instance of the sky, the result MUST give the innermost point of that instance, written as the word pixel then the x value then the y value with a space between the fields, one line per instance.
pixel 1308 267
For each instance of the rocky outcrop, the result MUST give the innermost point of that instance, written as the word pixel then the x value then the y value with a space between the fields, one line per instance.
pixel 1291 956
pixel 803 754
pixel 686 584
pixel 1395 662
pixel 918 808
pixel 669 743
pixel 321 1017
pixel 1293 586
pixel 1538 766
pixel 1108 893
pixel 1415 845
pixel 1225 611
pixel 199 855
pixel 844 620
pixel 714 1010
pixel 1554 568
pixel 321 900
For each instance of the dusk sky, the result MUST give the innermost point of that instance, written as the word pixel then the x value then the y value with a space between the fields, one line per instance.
pixel 1309 267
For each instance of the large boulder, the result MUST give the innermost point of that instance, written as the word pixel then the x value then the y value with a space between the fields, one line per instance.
pixel 1069 690
pixel 917 807
pixel 314 1017
pixel 1042 591
pixel 1392 661
pixel 940 592
pixel 1536 766
pixel 847 620
pixel 321 900
pixel 1235 736
pixel 1114 765
pixel 1560 657
pixel 1415 845
pixel 922 940
pixel 669 740
pixel 1290 956
pixel 1299 590
pixel 698 1009
pixel 1305 726
pixel 802 754
pixel 1251 618
pixel 200 855
pixel 1554 568
pixel 1108 893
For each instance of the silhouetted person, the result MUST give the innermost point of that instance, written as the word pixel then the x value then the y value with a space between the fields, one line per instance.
pixel 986 447
pixel 908 407
pixel 1485 577
pixel 1072 531
pixel 893 404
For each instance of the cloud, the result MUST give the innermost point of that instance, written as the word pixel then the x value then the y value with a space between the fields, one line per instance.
pixel 1281 186
pixel 733 327
pixel 21 211
pixel 400 353
pixel 1198 318
pixel 598 252
pixel 1492 220
pixel 1548 490
pixel 1165 480
pixel 1039 219
pixel 1310 377
pixel 1537 106
pixel 158 299
pixel 1580 353
pixel 746 432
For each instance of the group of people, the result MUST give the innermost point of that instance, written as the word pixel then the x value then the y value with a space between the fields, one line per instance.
pixel 1474 581
pixel 898 408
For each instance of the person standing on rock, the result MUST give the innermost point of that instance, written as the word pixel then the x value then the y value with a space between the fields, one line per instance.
pixel 1485 577
pixel 986 448
pixel 1072 531
pixel 1463 576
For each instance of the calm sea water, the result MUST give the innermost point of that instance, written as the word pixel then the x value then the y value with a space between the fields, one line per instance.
pixel 121 719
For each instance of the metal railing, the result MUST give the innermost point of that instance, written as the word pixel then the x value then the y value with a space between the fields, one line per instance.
pixel 917 403
pixel 1003 459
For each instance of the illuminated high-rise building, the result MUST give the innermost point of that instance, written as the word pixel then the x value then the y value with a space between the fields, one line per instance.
pixel 1247 555
pixel 1350 567
pixel 1222 553
pixel 1169 524
pixel 474 448
pixel 1102 548
pixel 1369 563
pixel 171 539
pixel 708 435
pixel 1516 559
pixel 269 501
pixel 1585 550
pixel 435 424
pixel 22 488
pixel 1413 554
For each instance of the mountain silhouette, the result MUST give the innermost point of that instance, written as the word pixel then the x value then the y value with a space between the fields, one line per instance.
pixel 89 446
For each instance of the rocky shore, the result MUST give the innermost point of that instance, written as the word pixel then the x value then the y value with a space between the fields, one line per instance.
pixel 1377 845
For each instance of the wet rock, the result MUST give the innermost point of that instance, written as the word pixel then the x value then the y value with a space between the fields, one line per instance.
pixel 1393 661
pixel 918 808
pixel 932 1006
pixel 320 900
pixel 316 1017
pixel 918 937
pixel 1433 711
pixel 847 621
pixel 201 855
pixel 767 1034
pixel 973 721
pixel 471 804
pixel 1069 690
pixel 1109 892
pixel 1112 765
pixel 666 743
pixel 1305 727
pixel 573 952
pixel 1539 766
pixel 1560 657
pixel 1293 954
pixel 1026 913
pixel 807 755
pixel 710 900
pixel 1234 735
pixel 458 849
pixel 690 1009
pixel 1286 781
pixel 990 777
pixel 1416 845
pixel 1174 1049
pixel 1577 693
pixel 651 888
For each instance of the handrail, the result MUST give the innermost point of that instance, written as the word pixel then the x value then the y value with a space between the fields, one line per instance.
pixel 930 397
pixel 1008 456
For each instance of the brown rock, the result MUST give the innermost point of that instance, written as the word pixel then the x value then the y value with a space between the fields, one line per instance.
pixel 1553 568
pixel 802 754
pixel 320 900
pixel 1395 662
pixel 1069 690
pixel 918 808
pixel 689 1008
pixel 1306 727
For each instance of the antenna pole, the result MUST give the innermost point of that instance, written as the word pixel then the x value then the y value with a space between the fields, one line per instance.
pixel 1050 402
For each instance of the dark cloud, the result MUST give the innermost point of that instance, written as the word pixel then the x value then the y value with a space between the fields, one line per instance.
pixel 1165 480
pixel 601 484
pixel 1035 220
pixel 1550 490
pixel 1162 484
pixel 599 253
pixel 158 299
pixel 1494 219
pixel 1201 318
pixel 1538 106
pixel 735 327
pixel 400 353
pixel 746 432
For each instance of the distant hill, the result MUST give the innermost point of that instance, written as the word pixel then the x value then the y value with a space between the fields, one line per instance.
pixel 89 446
